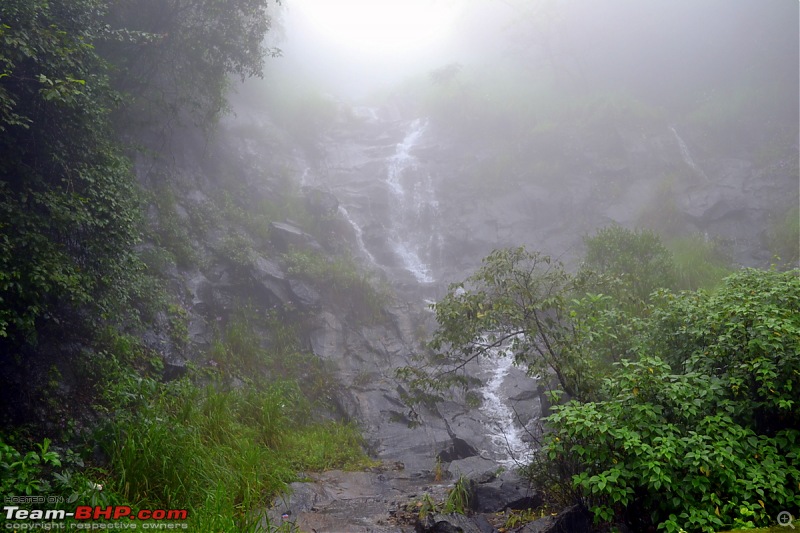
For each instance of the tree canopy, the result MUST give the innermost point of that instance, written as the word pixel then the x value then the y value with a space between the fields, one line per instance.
pixel 69 204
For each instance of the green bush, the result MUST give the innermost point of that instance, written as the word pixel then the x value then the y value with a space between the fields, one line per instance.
pixel 636 258
pixel 747 334
pixel 705 435
pixel 22 474
pixel 699 262
pixel 784 238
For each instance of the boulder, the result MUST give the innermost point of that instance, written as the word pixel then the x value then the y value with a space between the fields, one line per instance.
pixel 304 293
pixel 575 519
pixel 501 494
pixel 285 236
pixel 458 449
pixel 474 468
pixel 452 523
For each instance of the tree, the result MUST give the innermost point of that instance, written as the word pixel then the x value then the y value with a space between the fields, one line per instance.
pixel 175 57
pixel 682 412
pixel 523 305
pixel 635 262
pixel 68 205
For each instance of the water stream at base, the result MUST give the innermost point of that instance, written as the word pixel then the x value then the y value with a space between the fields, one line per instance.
pixel 505 433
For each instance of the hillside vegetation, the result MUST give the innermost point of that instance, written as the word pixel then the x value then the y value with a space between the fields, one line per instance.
pixel 89 244
pixel 675 410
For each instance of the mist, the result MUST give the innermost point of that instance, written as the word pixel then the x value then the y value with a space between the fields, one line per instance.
pixel 664 51
pixel 381 265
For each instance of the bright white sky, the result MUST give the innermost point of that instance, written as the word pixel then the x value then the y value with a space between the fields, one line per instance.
pixel 378 27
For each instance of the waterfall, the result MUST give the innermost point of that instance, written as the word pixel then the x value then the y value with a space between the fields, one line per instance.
pixel 686 155
pixel 413 206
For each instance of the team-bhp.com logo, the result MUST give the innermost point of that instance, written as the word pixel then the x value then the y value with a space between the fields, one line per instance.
pixel 86 517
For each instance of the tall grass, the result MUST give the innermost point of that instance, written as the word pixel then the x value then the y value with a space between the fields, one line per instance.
pixel 699 263
pixel 784 238
pixel 223 454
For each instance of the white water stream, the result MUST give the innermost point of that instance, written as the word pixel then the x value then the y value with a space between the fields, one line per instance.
pixel 687 155
pixel 359 234
pixel 413 206
pixel 413 238
pixel 505 431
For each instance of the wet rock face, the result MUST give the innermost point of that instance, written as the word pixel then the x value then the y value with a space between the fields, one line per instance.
pixel 321 203
pixel 469 201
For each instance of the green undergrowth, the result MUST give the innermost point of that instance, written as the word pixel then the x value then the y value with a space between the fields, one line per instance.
pixel 457 500
pixel 341 280
pixel 700 263
pixel 220 453
pixel 222 442
pixel 223 454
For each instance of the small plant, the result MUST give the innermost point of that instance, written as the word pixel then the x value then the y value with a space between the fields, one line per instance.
pixel 438 471
pixel 424 506
pixel 516 518
pixel 178 326
pixel 23 474
pixel 459 497
pixel 238 249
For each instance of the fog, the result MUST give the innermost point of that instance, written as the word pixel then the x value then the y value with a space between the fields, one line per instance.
pixel 662 108
pixel 663 50
pixel 483 199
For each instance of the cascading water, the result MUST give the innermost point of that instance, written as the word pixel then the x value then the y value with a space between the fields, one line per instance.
pixel 394 222
pixel 358 233
pixel 505 432
pixel 413 207
pixel 687 155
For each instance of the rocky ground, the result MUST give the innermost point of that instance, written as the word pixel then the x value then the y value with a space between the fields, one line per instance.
pixel 391 499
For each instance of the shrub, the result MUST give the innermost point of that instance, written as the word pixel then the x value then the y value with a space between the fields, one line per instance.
pixel 748 335
pixel 699 263
pixel 635 257
pixel 784 238
pixel 342 280
pixel 706 436
pixel 665 450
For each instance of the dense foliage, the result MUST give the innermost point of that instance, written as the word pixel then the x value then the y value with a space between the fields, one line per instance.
pixel 700 430
pixel 682 409
pixel 69 203
pixel 68 206
pixel 637 259
pixel 174 57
